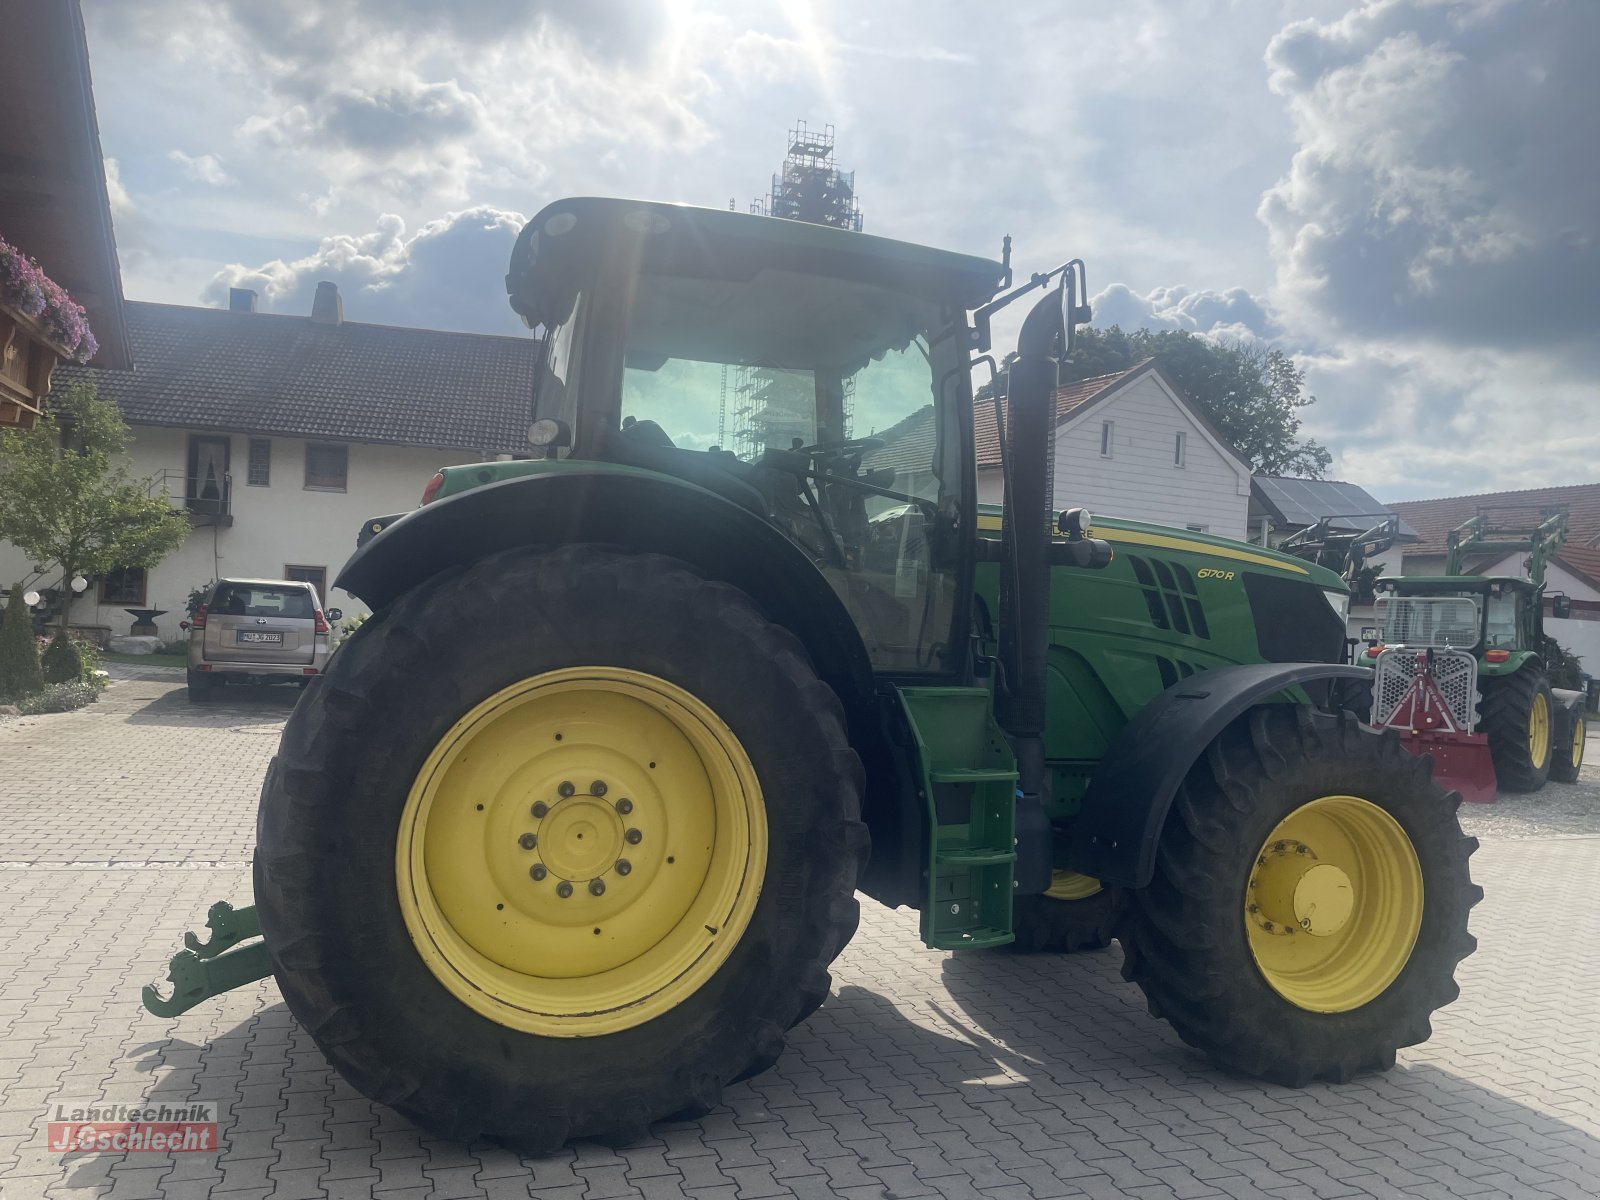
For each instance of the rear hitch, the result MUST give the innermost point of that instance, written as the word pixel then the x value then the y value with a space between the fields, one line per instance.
pixel 217 965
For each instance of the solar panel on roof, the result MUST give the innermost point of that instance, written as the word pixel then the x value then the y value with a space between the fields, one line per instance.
pixel 1307 501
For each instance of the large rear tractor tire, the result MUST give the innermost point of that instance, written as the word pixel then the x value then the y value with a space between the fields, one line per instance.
pixel 1310 900
pixel 561 844
pixel 1518 713
pixel 1077 913
pixel 1566 764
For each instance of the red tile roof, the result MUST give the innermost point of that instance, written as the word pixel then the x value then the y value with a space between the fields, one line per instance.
pixel 1434 519
pixel 1070 398
pixel 1582 561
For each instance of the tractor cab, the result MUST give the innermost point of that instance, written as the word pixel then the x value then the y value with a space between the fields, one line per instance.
pixel 1498 619
pixel 816 378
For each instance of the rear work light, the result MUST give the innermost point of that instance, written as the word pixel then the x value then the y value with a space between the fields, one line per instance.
pixel 322 622
pixel 199 621
pixel 432 490
pixel 1496 656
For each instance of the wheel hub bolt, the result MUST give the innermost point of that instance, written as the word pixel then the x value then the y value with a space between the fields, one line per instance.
pixel 540 809
pixel 623 866
pixel 597 887
pixel 566 789
pixel 528 841
pixel 624 806
pixel 563 889
pixel 538 871
pixel 597 788
pixel 633 837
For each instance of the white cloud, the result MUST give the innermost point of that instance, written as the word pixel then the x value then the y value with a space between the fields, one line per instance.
pixel 1446 184
pixel 1234 314
pixel 448 274
pixel 202 168
pixel 121 203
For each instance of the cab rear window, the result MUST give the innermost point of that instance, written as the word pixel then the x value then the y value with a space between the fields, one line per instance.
pixel 242 600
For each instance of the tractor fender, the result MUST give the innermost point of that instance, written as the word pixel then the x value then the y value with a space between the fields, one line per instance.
pixel 1123 811
pixel 635 511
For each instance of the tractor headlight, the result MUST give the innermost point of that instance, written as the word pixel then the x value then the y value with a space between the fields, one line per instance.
pixel 1339 601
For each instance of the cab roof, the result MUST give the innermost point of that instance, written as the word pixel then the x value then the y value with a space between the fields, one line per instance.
pixel 719 233
pixel 1458 583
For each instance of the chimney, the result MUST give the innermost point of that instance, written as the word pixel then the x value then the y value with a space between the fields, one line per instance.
pixel 327 308
pixel 241 300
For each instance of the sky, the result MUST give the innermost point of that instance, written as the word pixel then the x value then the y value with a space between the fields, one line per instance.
pixel 1403 194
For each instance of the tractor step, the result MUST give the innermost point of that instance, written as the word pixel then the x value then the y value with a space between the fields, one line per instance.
pixel 968 783
pixel 217 965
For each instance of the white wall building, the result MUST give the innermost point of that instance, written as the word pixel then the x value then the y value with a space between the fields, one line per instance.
pixel 281 434
pixel 1131 445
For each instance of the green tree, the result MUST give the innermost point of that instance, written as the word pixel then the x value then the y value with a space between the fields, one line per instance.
pixel 1252 396
pixel 67 501
pixel 19 654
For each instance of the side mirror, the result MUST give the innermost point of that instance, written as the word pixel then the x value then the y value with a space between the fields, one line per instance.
pixel 335 614
pixel 1561 606
pixel 184 625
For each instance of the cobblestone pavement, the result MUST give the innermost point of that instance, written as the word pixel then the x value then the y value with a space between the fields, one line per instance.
pixel 924 1074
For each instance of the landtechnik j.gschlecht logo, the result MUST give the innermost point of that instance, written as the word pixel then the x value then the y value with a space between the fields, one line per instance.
pixel 190 1127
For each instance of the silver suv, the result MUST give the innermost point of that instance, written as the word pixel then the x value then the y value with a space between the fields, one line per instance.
pixel 257 628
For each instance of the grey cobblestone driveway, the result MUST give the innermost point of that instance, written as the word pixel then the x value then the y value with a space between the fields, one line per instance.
pixel 925 1073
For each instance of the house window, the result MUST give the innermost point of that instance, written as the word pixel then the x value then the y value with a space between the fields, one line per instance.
pixel 123 585
pixel 1108 437
pixel 317 577
pixel 327 467
pixel 260 462
pixel 1180 447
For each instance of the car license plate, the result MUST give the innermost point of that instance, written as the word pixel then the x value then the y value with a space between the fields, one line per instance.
pixel 260 637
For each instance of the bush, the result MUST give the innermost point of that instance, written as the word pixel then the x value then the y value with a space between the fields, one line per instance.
pixel 192 604
pixel 62 661
pixel 1565 668
pixel 59 698
pixel 19 656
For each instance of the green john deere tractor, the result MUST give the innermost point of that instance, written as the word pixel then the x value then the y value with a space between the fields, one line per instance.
pixel 566 838
pixel 1532 732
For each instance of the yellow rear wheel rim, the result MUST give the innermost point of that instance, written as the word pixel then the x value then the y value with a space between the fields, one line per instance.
pixel 581 851
pixel 1538 729
pixel 1578 734
pixel 1069 885
pixel 1334 904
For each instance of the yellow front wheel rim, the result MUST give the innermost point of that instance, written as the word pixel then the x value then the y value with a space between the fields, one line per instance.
pixel 1334 904
pixel 1069 885
pixel 581 851
pixel 1578 734
pixel 1538 729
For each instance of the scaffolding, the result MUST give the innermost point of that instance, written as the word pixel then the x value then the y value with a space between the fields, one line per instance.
pixel 810 187
pixel 773 407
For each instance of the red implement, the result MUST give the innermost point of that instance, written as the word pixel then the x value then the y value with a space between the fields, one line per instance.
pixel 1427 725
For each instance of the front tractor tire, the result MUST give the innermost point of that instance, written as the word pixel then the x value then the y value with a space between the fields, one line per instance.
pixel 1568 762
pixel 1310 900
pixel 1518 713
pixel 562 844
